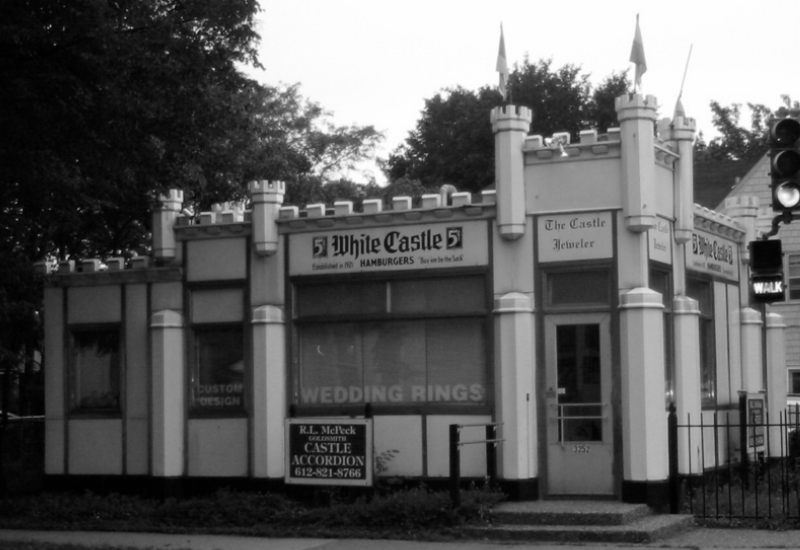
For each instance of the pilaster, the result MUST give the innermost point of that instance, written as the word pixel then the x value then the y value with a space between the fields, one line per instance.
pixel 751 323
pixel 644 420
pixel 776 383
pixel 167 416
pixel 269 395
pixel 515 386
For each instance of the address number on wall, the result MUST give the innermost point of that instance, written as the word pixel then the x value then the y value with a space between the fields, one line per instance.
pixel 581 448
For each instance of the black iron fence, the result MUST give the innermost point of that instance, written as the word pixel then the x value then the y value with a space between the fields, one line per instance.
pixel 491 442
pixel 736 465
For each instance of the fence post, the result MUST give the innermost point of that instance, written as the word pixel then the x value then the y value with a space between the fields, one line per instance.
pixel 672 439
pixel 744 458
pixel 455 466
pixel 491 454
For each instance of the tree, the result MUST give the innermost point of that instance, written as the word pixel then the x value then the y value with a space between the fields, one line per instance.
pixel 106 104
pixel 736 142
pixel 453 140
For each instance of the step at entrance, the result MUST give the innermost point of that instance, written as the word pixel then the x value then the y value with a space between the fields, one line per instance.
pixel 579 520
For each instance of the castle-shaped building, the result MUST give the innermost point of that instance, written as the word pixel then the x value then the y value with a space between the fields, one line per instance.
pixel 571 305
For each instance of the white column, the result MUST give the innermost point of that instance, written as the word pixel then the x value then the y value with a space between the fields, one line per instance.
pixel 269 391
pixel 776 379
pixel 168 369
pixel 514 385
pixel 644 417
pixel 686 353
pixel 752 380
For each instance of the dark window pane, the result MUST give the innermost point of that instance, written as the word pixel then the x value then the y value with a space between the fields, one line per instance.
pixel 341 299
pixel 450 295
pixel 700 291
pixel 96 370
pixel 456 361
pixel 219 370
pixel 578 288
pixel 331 364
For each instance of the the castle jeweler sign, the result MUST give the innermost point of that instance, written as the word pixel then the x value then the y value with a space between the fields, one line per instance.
pixel 576 236
pixel 457 244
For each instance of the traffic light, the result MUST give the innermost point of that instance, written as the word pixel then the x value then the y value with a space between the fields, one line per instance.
pixel 784 154
pixel 766 272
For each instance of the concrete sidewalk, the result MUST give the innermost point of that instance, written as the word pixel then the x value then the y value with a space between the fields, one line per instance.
pixel 692 540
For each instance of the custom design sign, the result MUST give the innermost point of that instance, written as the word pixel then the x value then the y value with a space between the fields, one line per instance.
pixel 424 246
pixel 713 254
pixel 659 242
pixel 571 237
pixel 329 451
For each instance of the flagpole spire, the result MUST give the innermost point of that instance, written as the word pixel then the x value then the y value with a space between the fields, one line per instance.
pixel 502 69
pixel 637 57
pixel 678 105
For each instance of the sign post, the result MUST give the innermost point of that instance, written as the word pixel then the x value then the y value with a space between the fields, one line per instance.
pixel 329 451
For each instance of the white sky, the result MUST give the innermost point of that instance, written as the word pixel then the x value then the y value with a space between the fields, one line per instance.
pixel 374 62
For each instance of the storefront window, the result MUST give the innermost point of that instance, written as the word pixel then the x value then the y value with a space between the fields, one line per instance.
pixel 218 377
pixel 702 292
pixel 95 370
pixel 414 342
pixel 588 287
pixel 217 358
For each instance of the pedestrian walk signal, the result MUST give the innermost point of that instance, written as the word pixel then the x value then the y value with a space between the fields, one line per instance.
pixel 766 272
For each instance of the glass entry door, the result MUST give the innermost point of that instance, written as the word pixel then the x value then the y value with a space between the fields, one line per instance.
pixel 580 450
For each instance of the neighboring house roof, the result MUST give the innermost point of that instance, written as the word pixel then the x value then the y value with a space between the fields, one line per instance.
pixel 755 182
pixel 715 179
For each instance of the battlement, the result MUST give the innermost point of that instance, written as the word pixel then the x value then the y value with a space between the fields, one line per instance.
pixel 590 145
pixel 717 223
pixel 172 199
pixel 636 101
pixel 260 187
pixel 511 112
pixel 373 212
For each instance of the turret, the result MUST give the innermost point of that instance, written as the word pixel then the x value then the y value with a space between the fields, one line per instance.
pixel 637 115
pixel 267 197
pixel 164 247
pixel 681 132
pixel 510 125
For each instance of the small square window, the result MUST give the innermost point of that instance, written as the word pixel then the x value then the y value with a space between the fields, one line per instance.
pixel 95 383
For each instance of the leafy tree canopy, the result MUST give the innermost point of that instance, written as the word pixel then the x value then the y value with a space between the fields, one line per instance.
pixel 736 142
pixel 453 140
pixel 104 104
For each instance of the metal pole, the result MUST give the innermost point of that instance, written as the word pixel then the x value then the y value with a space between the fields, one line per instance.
pixel 491 454
pixel 672 438
pixel 455 466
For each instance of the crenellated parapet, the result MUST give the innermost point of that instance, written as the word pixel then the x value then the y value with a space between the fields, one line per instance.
pixel 559 148
pixel 341 214
pixel 718 224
